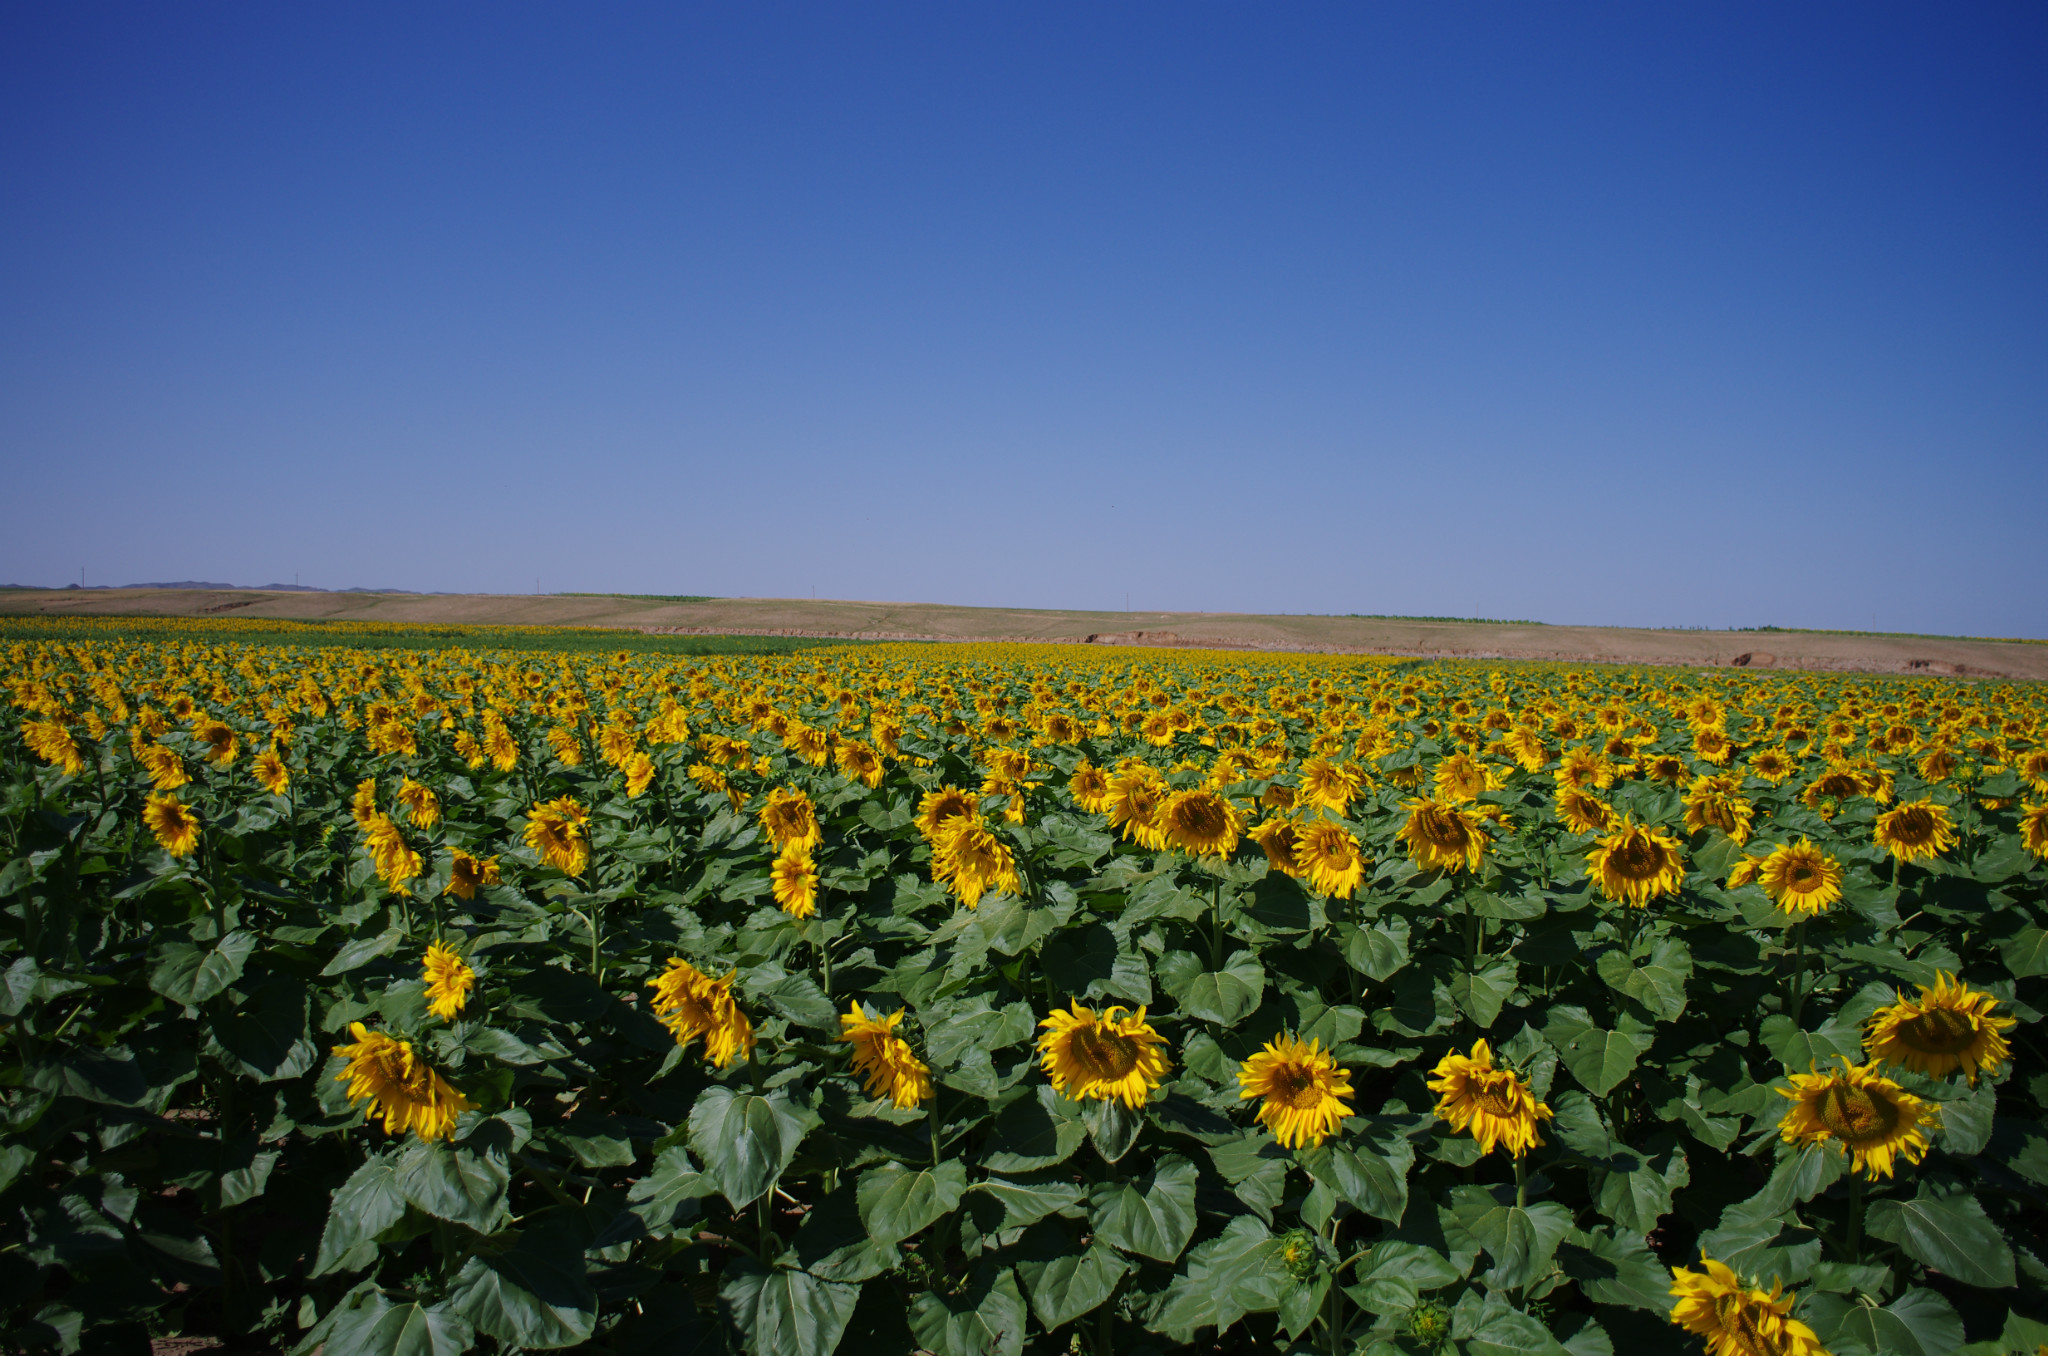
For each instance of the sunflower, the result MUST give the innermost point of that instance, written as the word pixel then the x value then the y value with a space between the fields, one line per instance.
pixel 363 807
pixel 1087 1055
pixel 971 861
pixel 1712 745
pixel 1526 748
pixel 795 882
pixel 946 803
pixel 1200 822
pixel 1443 837
pixel 559 831
pixel 1712 807
pixel 889 1067
pixel 400 1086
pixel 1736 1320
pixel 692 1004
pixel 396 860
pixel 467 874
pixel 1584 768
pixel 1948 1027
pixel 1636 863
pixel 2034 829
pixel 1800 877
pixel 1461 777
pixel 787 818
pixel 1304 1090
pixel 173 823
pixel 422 806
pixel 164 767
pixel 1917 829
pixel 639 770
pixel 1666 767
pixel 220 741
pixel 1583 813
pixel 1331 858
pixel 1135 795
pixel 1876 1120
pixel 449 980
pixel 859 762
pixel 1089 786
pixel 1496 1106
pixel 53 744
pixel 1744 872
pixel 1327 784
pixel 271 773
pixel 1773 765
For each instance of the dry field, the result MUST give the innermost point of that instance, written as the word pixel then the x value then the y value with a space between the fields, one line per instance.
pixel 1208 630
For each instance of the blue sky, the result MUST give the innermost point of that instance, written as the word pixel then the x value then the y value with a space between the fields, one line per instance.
pixel 1651 315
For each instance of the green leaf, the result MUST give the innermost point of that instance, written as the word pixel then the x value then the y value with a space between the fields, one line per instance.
pixel 360 952
pixel 455 1184
pixel 534 1296
pixel 987 1319
pixel 1223 996
pixel 1598 1059
pixel 1371 1176
pixel 1112 1127
pixel 745 1140
pixel 1617 1268
pixel 668 1195
pixel 1481 993
pixel 798 998
pixel 1238 1272
pixel 266 1038
pixel 1496 1328
pixel 897 1202
pixel 1657 981
pixel 1635 1195
pixel 1804 1051
pixel 2026 952
pixel 1380 951
pixel 1028 1202
pixel 1067 1287
pixel 1521 1240
pixel 378 1327
pixel 785 1312
pixel 1035 1132
pixel 1950 1234
pixel 1917 1323
pixel 187 974
pixel 1155 1222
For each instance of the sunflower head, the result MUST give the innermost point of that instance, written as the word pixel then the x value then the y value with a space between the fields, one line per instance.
pixel 1443 837
pixel 172 821
pixel 271 773
pixel 1280 840
pixel 789 818
pixel 1303 1088
pixel 1330 858
pixel 449 980
pixel 399 1086
pixel 971 861
pixel 1948 1028
pixel 888 1066
pixel 1201 822
pixel 1801 878
pixel 1738 1320
pixel 1915 830
pixel 1497 1106
pixel 1111 1054
pixel 692 1004
pixel 940 806
pixel 1636 863
pixel 1873 1118
pixel 795 882
pixel 468 874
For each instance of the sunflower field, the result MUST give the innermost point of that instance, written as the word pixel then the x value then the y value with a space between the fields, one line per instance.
pixel 980 1000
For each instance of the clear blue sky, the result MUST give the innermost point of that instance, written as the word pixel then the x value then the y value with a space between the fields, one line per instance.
pixel 1636 313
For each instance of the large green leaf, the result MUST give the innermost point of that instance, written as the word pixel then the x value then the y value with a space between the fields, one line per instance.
pixel 745 1140
pixel 1617 1268
pixel 2026 952
pixel 360 952
pixel 786 1312
pixel 188 974
pixel 1028 1202
pixel 534 1296
pixel 1598 1059
pixel 1804 1051
pixel 1373 1176
pixel 1222 996
pixel 1236 1273
pixel 1380 951
pixel 897 1201
pixel 1064 1288
pixel 1951 1234
pixel 455 1183
pixel 1480 993
pixel 1656 979
pixel 1917 1323
pixel 1035 1132
pixel 1521 1240
pixel 1635 1194
pixel 667 1196
pixel 986 1319
pixel 1155 1217
pixel 379 1327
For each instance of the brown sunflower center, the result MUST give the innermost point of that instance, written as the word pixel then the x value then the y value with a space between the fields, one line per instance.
pixel 1854 1116
pixel 1103 1053
pixel 1940 1031
pixel 1913 826
pixel 1444 829
pixel 1737 1318
pixel 1637 859
pixel 1200 819
pixel 1294 1086
pixel 1496 1093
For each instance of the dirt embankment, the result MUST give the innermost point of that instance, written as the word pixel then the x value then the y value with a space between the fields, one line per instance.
pixel 1205 630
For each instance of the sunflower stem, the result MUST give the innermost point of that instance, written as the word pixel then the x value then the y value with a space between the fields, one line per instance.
pixel 1855 1243
pixel 1521 1182
pixel 1798 1001
pixel 935 1127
